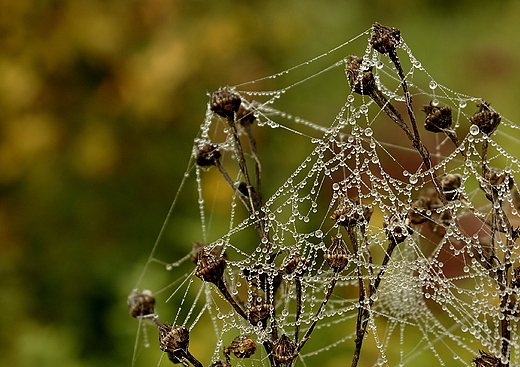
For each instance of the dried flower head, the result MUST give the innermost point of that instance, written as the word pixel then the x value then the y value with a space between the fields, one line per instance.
pixel 437 118
pixel 515 279
pixel 497 178
pixel 284 350
pixel 207 154
pixel 259 310
pixel 264 278
pixel 487 360
pixel 450 184
pixel 225 103
pixel 294 263
pixel 350 212
pixel 141 304
pixel 361 79
pixel 243 346
pixel 418 209
pixel 396 229
pixel 486 118
pixel 385 39
pixel 174 340
pixel 197 247
pixel 245 116
pixel 210 267
pixel 337 255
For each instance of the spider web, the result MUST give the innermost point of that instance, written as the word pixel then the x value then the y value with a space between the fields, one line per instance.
pixel 438 300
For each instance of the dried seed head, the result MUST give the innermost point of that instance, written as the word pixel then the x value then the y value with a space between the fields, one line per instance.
pixel 141 304
pixel 417 213
pixel 259 310
pixel 350 213
pixel 515 279
pixel 210 267
pixel 220 363
pixel 243 346
pixel 498 178
pixel 284 351
pixel 264 278
pixel 225 103
pixel 487 360
pixel 337 255
pixel 361 79
pixel 197 247
pixel 245 116
pixel 450 184
pixel 396 229
pixel 486 118
pixel 385 39
pixel 173 338
pixel 437 118
pixel 294 263
pixel 207 154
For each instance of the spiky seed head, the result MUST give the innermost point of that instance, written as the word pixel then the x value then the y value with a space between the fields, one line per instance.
pixel 141 304
pixel 245 116
pixel 385 39
pixel 284 350
pixel 243 346
pixel 337 255
pixel 172 338
pixel 437 118
pixel 486 118
pixel 210 267
pixel 197 247
pixel 225 103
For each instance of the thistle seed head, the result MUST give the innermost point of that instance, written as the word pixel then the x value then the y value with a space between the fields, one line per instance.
pixel 437 118
pixel 450 184
pixel 417 212
pixel 243 346
pixel 337 255
pixel 361 80
pixel 210 267
pixel 284 351
pixel 486 118
pixel 207 154
pixel 141 304
pixel 173 338
pixel 225 103
pixel 385 39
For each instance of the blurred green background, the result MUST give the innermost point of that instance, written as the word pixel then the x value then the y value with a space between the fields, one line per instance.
pixel 99 103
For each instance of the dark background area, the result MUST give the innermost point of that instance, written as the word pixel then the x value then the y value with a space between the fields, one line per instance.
pixel 99 105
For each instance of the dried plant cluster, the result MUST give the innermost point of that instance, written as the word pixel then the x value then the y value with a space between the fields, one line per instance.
pixel 277 295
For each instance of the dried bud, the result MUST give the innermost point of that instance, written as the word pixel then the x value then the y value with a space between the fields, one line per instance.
pixel 242 347
pixel 284 350
pixel 350 213
pixel 437 118
pixel 515 279
pixel 294 263
pixel 487 360
pixel 225 103
pixel 450 184
pixel 245 116
pixel 220 363
pixel 396 229
pixel 207 154
pixel 385 39
pixel 497 178
pixel 173 339
pixel 210 267
pixel 486 118
pixel 264 278
pixel 259 310
pixel 337 255
pixel 361 80
pixel 197 247
pixel 141 304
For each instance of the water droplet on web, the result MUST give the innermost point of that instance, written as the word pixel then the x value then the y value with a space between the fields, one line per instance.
pixel 380 65
pixel 433 84
pixel 335 186
pixel 169 267
pixel 435 102
pixel 363 109
pixel 369 132
pixel 462 104
pixel 318 233
pixel 351 98
pixel 474 130
pixel 413 179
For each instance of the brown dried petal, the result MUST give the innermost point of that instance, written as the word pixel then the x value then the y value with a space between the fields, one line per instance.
pixel 243 346
pixel 437 118
pixel 284 351
pixel 225 103
pixel 337 255
pixel 385 39
pixel 486 119
pixel 141 304
pixel 210 267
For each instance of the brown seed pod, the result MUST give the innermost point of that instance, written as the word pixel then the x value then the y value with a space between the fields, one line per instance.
pixel 487 360
pixel 515 279
pixel 263 278
pixel 437 118
pixel 225 103
pixel 350 213
pixel 396 230
pixel 361 80
pixel 243 346
pixel 294 263
pixel 486 118
pixel 450 184
pixel 141 304
pixel 218 251
pixel 207 154
pixel 337 255
pixel 210 267
pixel 497 178
pixel 245 116
pixel 173 339
pixel 259 310
pixel 384 39
pixel 284 350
